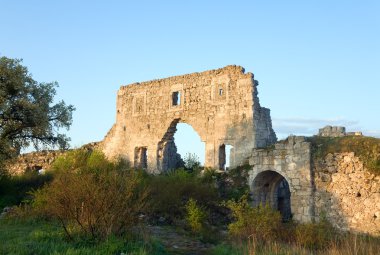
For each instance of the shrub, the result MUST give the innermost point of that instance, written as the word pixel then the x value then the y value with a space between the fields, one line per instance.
pixel 171 191
pixel 192 161
pixel 195 216
pixel 315 235
pixel 92 196
pixel 15 189
pixel 262 222
pixel 233 184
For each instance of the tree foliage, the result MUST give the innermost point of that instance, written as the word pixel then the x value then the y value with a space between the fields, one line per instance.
pixel 28 114
pixel 191 161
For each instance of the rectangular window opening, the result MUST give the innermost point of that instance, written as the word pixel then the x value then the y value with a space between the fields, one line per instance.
pixel 176 98
pixel 141 157
pixel 221 92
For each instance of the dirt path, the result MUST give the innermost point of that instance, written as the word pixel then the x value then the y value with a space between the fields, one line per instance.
pixel 179 242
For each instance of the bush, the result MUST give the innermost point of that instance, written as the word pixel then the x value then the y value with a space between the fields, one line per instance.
pixel 233 184
pixel 171 191
pixel 15 189
pixel 191 161
pixel 92 196
pixel 315 235
pixel 262 222
pixel 195 216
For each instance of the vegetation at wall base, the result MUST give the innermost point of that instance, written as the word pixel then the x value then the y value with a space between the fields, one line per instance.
pixel 89 205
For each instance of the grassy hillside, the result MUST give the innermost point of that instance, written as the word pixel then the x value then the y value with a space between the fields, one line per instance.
pixel 366 148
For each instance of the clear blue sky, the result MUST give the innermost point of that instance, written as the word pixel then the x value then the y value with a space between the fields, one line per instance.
pixel 318 62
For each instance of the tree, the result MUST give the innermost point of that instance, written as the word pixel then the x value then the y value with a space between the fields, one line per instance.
pixel 191 161
pixel 28 115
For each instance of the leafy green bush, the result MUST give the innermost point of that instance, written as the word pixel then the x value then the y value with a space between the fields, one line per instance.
pixel 195 216
pixel 233 184
pixel 15 189
pixel 92 196
pixel 171 191
pixel 262 222
pixel 192 161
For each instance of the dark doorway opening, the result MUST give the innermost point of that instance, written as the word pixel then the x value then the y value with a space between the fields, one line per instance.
pixel 270 187
pixel 225 156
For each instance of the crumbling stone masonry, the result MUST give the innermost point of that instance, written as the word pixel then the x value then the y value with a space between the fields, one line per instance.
pixel 336 131
pixel 337 186
pixel 282 177
pixel 221 105
pixel 32 162
pixel 347 193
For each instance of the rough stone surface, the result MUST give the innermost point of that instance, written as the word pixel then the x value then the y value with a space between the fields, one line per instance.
pixel 332 131
pixel 337 186
pixel 347 193
pixel 221 105
pixel 34 161
pixel 287 164
pixel 335 131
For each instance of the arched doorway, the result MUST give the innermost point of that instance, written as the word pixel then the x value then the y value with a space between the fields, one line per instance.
pixel 174 146
pixel 272 188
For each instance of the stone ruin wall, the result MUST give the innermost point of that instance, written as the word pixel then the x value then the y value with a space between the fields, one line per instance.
pixel 289 159
pixel 39 160
pixel 337 131
pixel 337 186
pixel 32 162
pixel 221 105
pixel 347 193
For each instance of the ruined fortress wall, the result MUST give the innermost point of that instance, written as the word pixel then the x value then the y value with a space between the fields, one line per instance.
pixel 221 105
pixel 337 186
pixel 287 164
pixel 32 162
pixel 347 194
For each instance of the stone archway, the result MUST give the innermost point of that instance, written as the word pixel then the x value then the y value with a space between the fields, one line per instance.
pixel 270 187
pixel 167 156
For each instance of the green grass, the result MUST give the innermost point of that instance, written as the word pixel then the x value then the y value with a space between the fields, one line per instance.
pixel 366 148
pixel 37 238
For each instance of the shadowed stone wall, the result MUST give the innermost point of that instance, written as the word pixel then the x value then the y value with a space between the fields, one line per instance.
pixel 221 105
